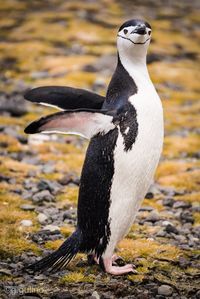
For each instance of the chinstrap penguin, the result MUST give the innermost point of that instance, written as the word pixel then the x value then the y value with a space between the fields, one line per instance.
pixel 125 129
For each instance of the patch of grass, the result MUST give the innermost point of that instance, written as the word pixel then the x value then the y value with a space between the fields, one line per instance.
pixel 190 197
pixel 175 146
pixel 173 167
pixel 15 169
pixel 67 230
pixel 13 242
pixel 131 249
pixel 196 216
pixel 76 277
pixel 53 245
pixel 187 181
pixel 13 237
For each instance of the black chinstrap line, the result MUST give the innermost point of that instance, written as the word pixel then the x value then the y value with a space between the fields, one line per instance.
pixel 133 41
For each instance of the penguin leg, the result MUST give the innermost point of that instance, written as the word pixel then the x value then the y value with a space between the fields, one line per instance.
pixel 93 259
pixel 106 261
pixel 116 270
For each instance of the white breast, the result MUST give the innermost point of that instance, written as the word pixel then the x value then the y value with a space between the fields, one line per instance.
pixel 134 170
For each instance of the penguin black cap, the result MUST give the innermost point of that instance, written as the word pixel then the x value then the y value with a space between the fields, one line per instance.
pixel 134 22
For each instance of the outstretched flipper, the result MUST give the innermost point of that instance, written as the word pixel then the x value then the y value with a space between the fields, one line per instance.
pixel 86 123
pixel 65 98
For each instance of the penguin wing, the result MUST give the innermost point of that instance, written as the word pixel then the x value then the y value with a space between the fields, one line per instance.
pixel 65 98
pixel 85 123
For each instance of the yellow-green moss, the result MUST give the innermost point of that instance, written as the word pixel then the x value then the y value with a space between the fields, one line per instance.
pixel 190 197
pixel 76 277
pixel 188 181
pixel 131 249
pixel 196 216
pixel 53 245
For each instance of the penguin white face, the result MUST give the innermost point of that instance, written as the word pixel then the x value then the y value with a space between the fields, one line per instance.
pixel 134 35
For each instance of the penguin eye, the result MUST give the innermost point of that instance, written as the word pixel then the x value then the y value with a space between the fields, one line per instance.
pixel 149 32
pixel 125 31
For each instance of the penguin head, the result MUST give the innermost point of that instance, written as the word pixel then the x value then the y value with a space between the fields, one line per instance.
pixel 134 35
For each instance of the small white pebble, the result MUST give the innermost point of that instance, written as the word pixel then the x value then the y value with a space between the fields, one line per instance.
pixel 41 218
pixel 26 223
pixel 95 295
pixel 165 223
pixel 50 227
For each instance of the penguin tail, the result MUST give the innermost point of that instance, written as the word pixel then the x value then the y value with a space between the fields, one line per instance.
pixel 62 256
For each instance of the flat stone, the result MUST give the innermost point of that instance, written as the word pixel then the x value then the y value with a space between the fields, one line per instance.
pixel 153 217
pixel 5 271
pixel 47 185
pixel 181 205
pixel 146 208
pixel 165 290
pixel 41 196
pixel 165 223
pixel 51 228
pixel 168 202
pixel 26 223
pixel 27 207
pixel 161 233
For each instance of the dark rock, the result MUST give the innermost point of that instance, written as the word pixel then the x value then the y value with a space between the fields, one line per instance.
pixel 153 57
pixel 171 229
pixel 13 103
pixel 69 215
pixel 22 139
pixel 146 208
pixel 186 216
pixel 63 295
pixel 52 186
pixel 168 202
pixel 149 195
pixel 181 205
pixel 4 178
pixel 183 262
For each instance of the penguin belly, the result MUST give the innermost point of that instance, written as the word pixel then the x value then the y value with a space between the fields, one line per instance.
pixel 134 169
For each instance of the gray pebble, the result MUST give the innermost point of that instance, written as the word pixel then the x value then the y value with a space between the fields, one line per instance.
pixel 27 207
pixel 42 218
pixel 51 228
pixel 181 205
pixel 41 196
pixel 168 202
pixel 153 217
pixel 165 290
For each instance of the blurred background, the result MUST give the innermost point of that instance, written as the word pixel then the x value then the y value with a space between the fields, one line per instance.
pixel 73 43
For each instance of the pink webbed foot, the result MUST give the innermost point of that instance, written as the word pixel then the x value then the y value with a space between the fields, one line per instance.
pixel 116 270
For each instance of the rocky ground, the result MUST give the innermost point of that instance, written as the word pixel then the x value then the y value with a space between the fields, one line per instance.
pixel 73 43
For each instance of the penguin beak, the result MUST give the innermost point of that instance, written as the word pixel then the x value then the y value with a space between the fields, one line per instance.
pixel 140 29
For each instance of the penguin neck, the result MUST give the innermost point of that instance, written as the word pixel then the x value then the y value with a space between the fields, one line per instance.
pixel 134 63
